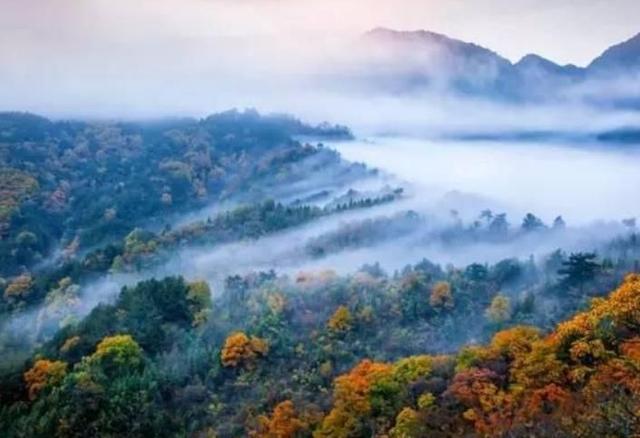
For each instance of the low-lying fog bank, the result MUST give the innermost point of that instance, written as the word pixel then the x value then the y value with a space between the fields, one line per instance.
pixel 584 183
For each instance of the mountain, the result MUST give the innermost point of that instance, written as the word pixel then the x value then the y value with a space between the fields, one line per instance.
pixel 533 62
pixel 621 58
pixel 410 61
pixel 435 43
pixel 419 59
pixel 536 77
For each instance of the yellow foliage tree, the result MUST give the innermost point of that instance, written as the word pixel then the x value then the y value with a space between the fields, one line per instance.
pixel 276 302
pixel 19 287
pixel 515 341
pixel 621 309
pixel 412 368
pixel 242 350
pixel 500 309
pixel 408 425
pixel 340 321
pixel 119 350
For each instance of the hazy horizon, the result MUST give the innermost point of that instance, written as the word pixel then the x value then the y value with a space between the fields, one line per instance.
pixel 111 59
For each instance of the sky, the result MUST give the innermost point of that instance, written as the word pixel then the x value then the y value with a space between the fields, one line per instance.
pixel 566 31
pixel 154 57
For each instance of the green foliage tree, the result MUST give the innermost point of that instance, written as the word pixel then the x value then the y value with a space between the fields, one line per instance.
pixel 532 223
pixel 579 269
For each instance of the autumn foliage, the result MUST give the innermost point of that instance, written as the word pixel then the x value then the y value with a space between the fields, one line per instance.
pixel 441 296
pixel 352 399
pixel 44 372
pixel 284 423
pixel 242 350
pixel 119 350
pixel 340 321
pixel 581 380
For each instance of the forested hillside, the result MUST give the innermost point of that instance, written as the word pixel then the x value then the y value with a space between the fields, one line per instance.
pixel 108 329
pixel 326 356
pixel 421 221
pixel 70 186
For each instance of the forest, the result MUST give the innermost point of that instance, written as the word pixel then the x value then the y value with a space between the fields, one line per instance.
pixel 545 345
pixel 325 355
pixel 319 219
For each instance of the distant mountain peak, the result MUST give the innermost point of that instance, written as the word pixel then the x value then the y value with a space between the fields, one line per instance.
pixel 533 59
pixel 537 62
pixel 404 61
pixel 625 55
pixel 385 34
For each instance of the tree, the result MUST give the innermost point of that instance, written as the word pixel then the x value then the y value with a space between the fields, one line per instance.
pixel 499 225
pixel 43 373
pixel 488 406
pixel 487 215
pixel 559 223
pixel 532 223
pixel 506 271
pixel 413 295
pixel 341 320
pixel 139 241
pixel 500 309
pixel 199 299
pixel 351 401
pixel 284 423
pixel 20 287
pixel 408 425
pixel 26 239
pixel 441 296
pixel 579 269
pixel 476 272
pixel 242 350
pixel 119 351
pixel 515 342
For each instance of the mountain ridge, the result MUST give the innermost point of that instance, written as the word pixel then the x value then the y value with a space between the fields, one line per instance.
pixel 619 56
pixel 419 59
pixel 618 49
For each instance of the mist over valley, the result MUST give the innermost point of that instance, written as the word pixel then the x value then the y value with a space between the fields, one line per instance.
pixel 271 220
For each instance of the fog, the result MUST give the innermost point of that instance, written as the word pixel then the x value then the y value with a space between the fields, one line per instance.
pixel 591 186
pixel 584 183
pixel 432 142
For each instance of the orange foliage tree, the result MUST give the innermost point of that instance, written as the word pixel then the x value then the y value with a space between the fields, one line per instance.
pixel 581 380
pixel 284 423
pixel 441 296
pixel 351 400
pixel 242 350
pixel 487 404
pixel 43 373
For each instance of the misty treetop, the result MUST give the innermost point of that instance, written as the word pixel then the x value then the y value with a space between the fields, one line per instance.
pixel 327 355
pixel 523 346
pixel 465 263
pixel 74 185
